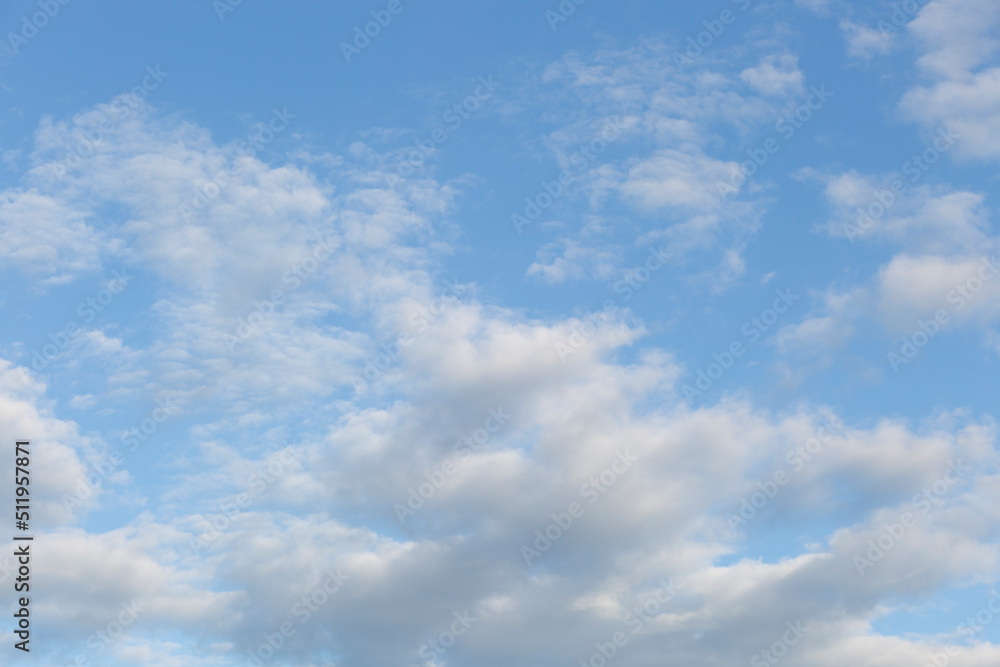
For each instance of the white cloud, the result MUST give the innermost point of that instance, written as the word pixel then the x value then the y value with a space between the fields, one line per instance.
pixel 567 260
pixel 676 127
pixel 968 105
pixel 823 333
pixel 775 75
pixel 958 36
pixel 59 453
pixel 818 6
pixel 915 287
pixel 220 257
pixel 940 239
pixel 962 87
pixel 45 238
pixel 289 381
pixel 83 401
pixel 922 219
pixel 677 179
pixel 865 42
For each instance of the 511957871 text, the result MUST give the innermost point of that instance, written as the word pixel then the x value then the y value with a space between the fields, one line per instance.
pixel 22 515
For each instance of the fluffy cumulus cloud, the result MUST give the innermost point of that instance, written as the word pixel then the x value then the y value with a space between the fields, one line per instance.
pixel 352 457
pixel 28 415
pixel 939 257
pixel 775 75
pixel 864 41
pixel 961 73
pixel 574 508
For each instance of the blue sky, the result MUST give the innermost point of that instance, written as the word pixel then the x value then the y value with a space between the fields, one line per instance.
pixel 295 313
